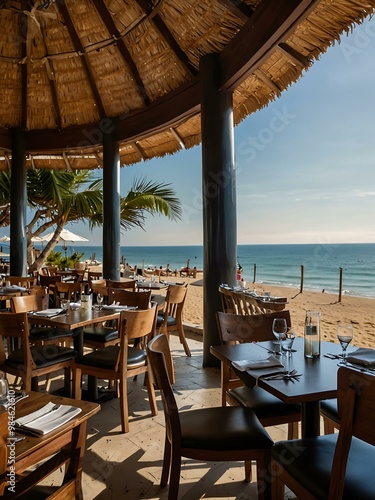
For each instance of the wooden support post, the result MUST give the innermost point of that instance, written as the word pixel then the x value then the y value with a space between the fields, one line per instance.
pixel 255 273
pixel 302 276
pixel 340 284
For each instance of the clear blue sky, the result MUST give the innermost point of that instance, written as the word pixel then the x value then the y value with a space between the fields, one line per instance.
pixel 306 178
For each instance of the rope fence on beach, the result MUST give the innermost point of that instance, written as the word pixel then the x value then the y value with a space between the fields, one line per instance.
pixel 302 279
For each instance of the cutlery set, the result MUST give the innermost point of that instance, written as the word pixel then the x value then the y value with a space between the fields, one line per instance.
pixel 288 375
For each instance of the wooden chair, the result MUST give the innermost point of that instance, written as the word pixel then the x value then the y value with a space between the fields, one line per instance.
pixel 49 282
pixel 209 434
pixel 171 318
pixel 270 410
pixel 329 412
pixel 335 466
pixel 128 285
pixel 25 281
pixel 93 276
pixel 140 299
pixel 30 362
pixel 121 361
pixel 70 291
pixel 39 334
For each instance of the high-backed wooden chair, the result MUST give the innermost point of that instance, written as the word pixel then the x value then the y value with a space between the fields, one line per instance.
pixel 334 466
pixel 39 334
pixel 209 434
pixel 93 276
pixel 29 362
pixel 128 285
pixel 140 299
pixel 121 361
pixel 69 291
pixel 171 318
pixel 235 328
pixel 24 281
pixel 330 414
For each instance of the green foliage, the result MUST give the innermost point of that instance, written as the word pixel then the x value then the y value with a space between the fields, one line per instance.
pixel 56 259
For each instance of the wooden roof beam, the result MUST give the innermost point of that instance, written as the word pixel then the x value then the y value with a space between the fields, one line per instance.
pixel 296 57
pixel 178 138
pixel 112 30
pixel 139 150
pixel 238 8
pixel 267 81
pixel 272 22
pixel 85 60
pixel 168 37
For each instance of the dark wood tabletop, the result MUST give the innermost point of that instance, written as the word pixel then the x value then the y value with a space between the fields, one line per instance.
pixel 318 380
pixel 68 441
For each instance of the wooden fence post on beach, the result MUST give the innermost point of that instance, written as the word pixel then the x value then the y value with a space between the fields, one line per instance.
pixel 302 274
pixel 255 273
pixel 340 284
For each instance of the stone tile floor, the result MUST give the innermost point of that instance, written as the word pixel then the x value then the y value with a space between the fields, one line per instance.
pixel 128 466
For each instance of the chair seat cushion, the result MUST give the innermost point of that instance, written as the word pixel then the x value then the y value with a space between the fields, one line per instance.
pixel 46 333
pixel 106 357
pixel 99 334
pixel 171 321
pixel 309 461
pixel 328 408
pixel 223 428
pixel 43 355
pixel 262 402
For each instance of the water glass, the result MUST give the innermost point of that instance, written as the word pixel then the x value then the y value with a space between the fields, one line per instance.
pixel 287 343
pixel 4 391
pixel 99 301
pixel 64 304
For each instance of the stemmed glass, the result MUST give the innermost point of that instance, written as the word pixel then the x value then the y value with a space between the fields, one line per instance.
pixel 279 329
pixel 345 336
pixel 99 300
pixel 64 305
pixel 287 342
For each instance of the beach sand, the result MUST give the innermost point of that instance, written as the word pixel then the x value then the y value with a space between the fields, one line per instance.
pixel 359 311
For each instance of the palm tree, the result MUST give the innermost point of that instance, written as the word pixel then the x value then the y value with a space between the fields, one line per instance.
pixel 58 197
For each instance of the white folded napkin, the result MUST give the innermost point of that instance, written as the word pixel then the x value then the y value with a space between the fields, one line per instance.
pixel 362 356
pixel 49 313
pixel 47 419
pixel 257 364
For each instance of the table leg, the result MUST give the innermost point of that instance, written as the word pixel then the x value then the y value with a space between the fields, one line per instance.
pixel 310 419
pixel 78 340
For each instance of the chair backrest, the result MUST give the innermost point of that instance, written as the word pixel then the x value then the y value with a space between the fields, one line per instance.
pixel 356 407
pixel 160 360
pixel 49 280
pixel 137 324
pixel 122 284
pixel 99 286
pixel 237 328
pixel 25 281
pixel 227 302
pixel 141 300
pixel 15 326
pixel 28 303
pixel 94 276
pixel 175 299
pixel 68 291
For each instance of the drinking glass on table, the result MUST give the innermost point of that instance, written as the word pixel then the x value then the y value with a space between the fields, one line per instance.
pixel 345 336
pixel 99 300
pixel 64 304
pixel 279 329
pixel 287 342
pixel 4 390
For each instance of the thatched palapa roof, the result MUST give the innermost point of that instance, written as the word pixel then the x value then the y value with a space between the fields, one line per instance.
pixel 67 66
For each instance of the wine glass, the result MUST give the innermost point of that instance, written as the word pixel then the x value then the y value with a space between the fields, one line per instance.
pixel 279 329
pixel 99 300
pixel 345 336
pixel 4 391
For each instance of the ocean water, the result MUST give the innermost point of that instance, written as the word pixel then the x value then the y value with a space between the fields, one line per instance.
pixel 275 264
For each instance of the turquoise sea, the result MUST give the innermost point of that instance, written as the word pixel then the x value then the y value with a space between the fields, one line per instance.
pixel 275 264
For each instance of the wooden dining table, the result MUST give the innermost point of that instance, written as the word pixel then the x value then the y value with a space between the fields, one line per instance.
pixel 65 445
pixel 74 321
pixel 317 382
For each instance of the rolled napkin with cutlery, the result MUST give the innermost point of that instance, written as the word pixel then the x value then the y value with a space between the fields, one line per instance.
pixel 362 356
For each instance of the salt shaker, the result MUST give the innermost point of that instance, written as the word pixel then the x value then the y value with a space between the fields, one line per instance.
pixel 312 334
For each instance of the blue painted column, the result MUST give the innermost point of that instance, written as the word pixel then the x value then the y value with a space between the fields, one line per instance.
pixel 111 206
pixel 219 197
pixel 18 202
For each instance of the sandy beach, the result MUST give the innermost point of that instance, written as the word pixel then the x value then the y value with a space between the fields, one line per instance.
pixel 359 311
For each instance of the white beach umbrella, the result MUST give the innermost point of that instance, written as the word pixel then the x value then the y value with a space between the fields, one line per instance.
pixel 65 236
pixel 4 239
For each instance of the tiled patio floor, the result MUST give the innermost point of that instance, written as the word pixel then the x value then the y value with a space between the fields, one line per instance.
pixel 128 466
